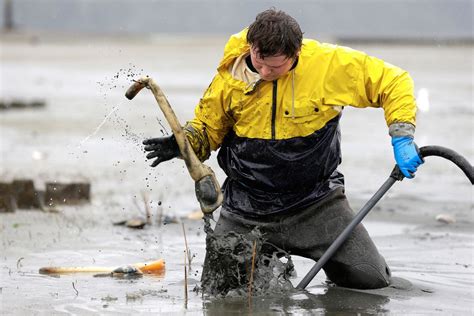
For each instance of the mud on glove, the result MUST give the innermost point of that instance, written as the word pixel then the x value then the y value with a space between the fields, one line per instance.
pixel 406 155
pixel 161 148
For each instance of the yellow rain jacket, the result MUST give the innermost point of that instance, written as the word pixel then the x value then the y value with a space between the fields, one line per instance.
pixel 280 140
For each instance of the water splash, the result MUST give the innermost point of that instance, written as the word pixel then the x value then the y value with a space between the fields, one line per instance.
pixel 99 126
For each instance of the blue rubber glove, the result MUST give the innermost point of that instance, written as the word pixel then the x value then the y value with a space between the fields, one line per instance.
pixel 406 155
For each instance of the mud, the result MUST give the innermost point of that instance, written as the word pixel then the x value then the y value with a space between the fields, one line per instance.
pixel 235 265
pixel 61 142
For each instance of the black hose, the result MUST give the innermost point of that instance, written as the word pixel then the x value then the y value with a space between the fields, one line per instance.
pixel 425 151
pixel 451 155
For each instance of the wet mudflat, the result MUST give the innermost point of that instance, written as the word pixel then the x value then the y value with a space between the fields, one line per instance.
pixel 89 131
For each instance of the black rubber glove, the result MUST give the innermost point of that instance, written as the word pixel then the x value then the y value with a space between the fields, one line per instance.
pixel 161 148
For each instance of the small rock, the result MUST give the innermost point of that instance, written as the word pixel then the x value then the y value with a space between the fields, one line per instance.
pixel 109 298
pixel 445 218
pixel 137 223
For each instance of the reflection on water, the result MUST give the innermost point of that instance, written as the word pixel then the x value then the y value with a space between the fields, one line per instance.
pixel 332 300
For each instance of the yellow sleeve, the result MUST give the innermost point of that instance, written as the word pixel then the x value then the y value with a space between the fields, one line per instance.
pixel 381 84
pixel 211 122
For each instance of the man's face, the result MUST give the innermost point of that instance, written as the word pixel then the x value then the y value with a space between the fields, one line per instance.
pixel 272 67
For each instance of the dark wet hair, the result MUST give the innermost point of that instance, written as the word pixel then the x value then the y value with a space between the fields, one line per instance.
pixel 275 33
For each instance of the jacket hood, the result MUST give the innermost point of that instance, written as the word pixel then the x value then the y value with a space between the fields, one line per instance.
pixel 236 46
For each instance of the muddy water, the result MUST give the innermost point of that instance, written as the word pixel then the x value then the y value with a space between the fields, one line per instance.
pixel 83 81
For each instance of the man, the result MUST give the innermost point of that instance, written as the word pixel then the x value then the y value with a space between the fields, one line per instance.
pixel 273 109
